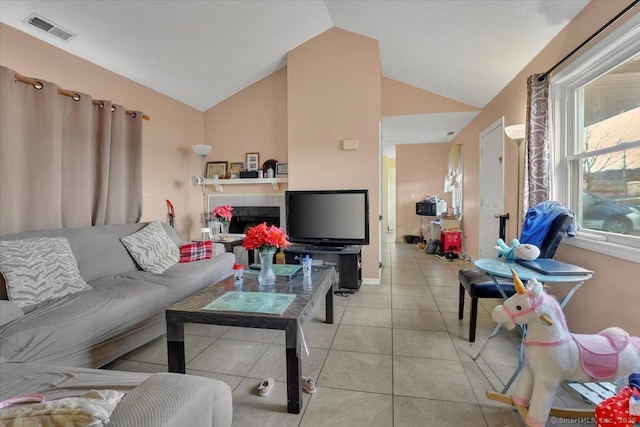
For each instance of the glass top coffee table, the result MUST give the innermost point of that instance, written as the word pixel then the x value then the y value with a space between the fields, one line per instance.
pixel 308 293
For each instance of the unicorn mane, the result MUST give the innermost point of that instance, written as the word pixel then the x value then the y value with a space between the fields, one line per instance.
pixel 557 310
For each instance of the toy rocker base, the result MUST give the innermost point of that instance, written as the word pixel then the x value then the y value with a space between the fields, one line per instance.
pixel 554 412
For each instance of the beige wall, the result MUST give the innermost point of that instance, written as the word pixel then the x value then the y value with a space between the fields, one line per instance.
pixel 253 120
pixel 421 169
pixel 167 158
pixel 609 298
pixel 402 99
pixel 333 93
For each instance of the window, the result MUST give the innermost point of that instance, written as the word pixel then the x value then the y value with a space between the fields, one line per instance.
pixel 596 141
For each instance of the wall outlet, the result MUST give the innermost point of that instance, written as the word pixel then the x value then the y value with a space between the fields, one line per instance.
pixel 146 196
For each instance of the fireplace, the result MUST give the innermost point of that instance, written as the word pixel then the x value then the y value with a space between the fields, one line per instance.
pixel 251 209
pixel 248 216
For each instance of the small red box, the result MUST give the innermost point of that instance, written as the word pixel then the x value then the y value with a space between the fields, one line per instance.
pixel 450 241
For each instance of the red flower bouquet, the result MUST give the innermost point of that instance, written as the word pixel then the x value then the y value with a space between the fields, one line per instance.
pixel 263 237
pixel 222 213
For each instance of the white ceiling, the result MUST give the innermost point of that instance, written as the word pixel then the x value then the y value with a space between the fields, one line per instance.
pixel 202 52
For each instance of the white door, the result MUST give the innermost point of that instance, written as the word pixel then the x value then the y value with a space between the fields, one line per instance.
pixel 491 187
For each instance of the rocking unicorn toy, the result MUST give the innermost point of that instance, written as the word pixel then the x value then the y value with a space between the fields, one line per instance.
pixel 553 354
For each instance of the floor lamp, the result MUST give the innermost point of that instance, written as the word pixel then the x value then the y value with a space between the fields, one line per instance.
pixel 517 133
pixel 202 151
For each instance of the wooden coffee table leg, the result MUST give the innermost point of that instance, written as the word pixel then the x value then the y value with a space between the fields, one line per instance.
pixel 175 347
pixel 294 370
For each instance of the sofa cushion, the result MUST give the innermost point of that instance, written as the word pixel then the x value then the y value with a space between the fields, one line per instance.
pixel 152 248
pixel 159 400
pixel 9 312
pixel 92 245
pixel 62 331
pixel 39 269
pixel 182 280
pixel 195 251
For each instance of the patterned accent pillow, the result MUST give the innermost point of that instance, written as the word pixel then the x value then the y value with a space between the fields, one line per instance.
pixel 39 269
pixel 152 248
pixel 196 251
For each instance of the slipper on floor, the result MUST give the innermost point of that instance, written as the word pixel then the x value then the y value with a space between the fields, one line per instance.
pixel 265 386
pixel 308 385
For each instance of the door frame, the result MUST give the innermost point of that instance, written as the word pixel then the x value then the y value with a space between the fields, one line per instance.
pixel 482 229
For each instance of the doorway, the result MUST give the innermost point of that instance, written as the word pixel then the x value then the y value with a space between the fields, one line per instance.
pixel 491 178
pixel 391 201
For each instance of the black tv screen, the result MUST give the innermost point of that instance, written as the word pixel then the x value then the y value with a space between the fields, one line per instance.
pixel 328 217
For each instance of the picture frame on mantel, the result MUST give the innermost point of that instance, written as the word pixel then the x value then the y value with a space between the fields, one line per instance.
pixel 216 169
pixel 236 168
pixel 282 170
pixel 253 161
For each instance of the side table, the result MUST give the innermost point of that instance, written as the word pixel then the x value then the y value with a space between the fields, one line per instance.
pixel 230 241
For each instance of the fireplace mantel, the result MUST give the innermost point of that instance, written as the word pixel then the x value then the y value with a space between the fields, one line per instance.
pixel 219 183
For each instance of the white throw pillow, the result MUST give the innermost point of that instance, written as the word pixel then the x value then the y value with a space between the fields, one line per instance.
pixel 39 269
pixel 152 248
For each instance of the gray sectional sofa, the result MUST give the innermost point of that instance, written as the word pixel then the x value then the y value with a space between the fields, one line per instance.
pixel 123 310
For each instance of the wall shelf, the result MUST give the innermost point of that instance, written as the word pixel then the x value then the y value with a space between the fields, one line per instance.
pixel 220 183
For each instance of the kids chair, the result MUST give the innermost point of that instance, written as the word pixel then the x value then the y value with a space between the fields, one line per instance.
pixel 480 285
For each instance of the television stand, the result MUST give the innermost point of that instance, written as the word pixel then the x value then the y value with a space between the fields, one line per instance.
pixel 320 248
pixel 348 262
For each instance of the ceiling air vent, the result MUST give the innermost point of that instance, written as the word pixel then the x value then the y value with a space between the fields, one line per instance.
pixel 47 26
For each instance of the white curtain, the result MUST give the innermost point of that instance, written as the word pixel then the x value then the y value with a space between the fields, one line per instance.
pixel 453 179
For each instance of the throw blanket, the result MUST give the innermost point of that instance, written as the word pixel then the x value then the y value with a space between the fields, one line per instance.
pixel 92 409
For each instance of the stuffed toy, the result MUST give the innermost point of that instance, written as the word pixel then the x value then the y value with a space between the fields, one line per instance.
pixel 552 354
pixel 517 250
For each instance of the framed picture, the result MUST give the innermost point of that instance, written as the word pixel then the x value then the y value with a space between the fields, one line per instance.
pixel 237 167
pixel 282 169
pixel 253 161
pixel 216 169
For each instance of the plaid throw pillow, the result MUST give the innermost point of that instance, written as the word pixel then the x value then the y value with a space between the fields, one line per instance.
pixel 196 251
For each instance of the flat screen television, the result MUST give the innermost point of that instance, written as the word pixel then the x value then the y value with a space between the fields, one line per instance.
pixel 330 219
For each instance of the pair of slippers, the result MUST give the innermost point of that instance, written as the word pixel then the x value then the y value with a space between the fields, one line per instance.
pixel 267 384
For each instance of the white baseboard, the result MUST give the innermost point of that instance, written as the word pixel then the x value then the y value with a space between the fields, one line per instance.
pixel 371 281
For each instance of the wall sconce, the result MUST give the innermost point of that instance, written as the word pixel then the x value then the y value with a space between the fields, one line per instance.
pixel 517 133
pixel 202 151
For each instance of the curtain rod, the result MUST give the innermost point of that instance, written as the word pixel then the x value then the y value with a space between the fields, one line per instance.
pixel 38 85
pixel 604 27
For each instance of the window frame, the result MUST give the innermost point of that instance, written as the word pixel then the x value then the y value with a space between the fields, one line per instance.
pixel 618 47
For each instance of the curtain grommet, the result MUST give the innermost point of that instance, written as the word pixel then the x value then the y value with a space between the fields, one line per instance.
pixel 38 85
pixel 76 97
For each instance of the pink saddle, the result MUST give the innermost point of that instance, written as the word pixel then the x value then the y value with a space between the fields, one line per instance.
pixel 599 352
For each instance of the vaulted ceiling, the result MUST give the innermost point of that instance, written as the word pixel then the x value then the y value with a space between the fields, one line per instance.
pixel 202 52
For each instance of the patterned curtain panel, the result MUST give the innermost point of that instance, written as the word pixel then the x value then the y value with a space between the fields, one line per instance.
pixel 65 162
pixel 536 165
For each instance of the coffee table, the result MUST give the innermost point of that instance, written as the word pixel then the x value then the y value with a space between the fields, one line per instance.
pixel 308 294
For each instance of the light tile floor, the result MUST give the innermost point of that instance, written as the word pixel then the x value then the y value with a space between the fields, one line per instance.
pixel 397 355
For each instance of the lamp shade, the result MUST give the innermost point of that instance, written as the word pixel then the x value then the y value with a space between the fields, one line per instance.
pixel 515 132
pixel 201 149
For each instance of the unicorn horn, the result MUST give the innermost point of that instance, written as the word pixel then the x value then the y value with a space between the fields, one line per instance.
pixel 518 283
